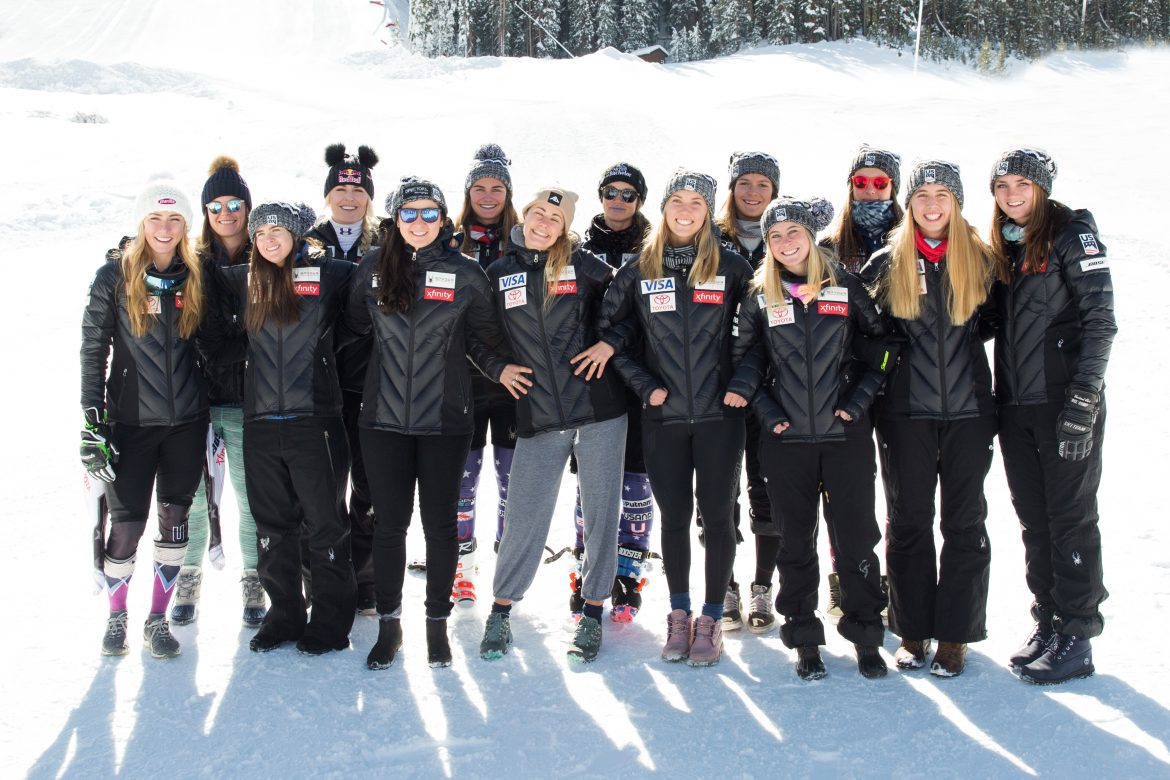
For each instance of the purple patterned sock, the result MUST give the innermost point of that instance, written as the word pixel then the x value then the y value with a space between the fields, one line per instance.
pixel 165 577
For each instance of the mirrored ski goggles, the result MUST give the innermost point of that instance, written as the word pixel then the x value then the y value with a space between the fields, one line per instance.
pixel 613 193
pixel 410 215
pixel 233 205
pixel 879 182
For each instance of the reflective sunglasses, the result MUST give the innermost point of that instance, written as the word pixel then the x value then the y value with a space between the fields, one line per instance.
pixel 613 193
pixel 879 182
pixel 233 205
pixel 410 215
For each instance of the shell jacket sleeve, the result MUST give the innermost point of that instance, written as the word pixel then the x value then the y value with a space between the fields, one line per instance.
pixel 97 336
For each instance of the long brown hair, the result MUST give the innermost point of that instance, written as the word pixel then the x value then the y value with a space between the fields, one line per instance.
pixel 971 266
pixel 821 272
pixel 135 261
pixel 843 236
pixel 271 294
pixel 509 218
pixel 395 269
pixel 706 254
pixel 1038 235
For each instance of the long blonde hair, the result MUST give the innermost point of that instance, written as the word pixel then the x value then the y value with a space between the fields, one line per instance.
pixel 559 256
pixel 135 261
pixel 821 272
pixel 971 266
pixel 370 223
pixel 706 256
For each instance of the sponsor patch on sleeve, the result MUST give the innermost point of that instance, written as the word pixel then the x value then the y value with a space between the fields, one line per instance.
pixel 1098 264
pixel 1089 243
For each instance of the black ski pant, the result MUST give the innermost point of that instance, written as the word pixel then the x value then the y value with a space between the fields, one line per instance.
pixel 943 597
pixel 166 458
pixel 361 513
pixel 295 472
pixel 685 462
pixel 1056 501
pixel 395 463
pixel 795 474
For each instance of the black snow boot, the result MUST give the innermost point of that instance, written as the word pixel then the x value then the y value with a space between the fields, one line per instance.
pixel 870 662
pixel 389 642
pixel 809 665
pixel 1067 657
pixel 1037 641
pixel 438 648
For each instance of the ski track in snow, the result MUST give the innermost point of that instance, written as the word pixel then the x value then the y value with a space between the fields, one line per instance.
pixel 219 710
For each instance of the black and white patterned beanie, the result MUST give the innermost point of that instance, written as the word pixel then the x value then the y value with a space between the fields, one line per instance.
pixel 1036 165
pixel 490 162
pixel 414 188
pixel 296 218
pixel 753 162
pixel 694 182
pixel 885 161
pixel 814 214
pixel 935 172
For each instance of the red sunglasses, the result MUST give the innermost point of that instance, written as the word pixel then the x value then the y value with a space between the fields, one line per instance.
pixel 879 182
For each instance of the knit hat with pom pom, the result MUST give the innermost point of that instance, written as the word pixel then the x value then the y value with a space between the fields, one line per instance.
pixel 224 179
pixel 296 218
pixel 490 162
pixel 815 215
pixel 346 169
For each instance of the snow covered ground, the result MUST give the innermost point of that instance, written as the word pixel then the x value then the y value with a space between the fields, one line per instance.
pixel 299 74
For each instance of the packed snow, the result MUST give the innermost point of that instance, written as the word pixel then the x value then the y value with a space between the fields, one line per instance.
pixel 96 96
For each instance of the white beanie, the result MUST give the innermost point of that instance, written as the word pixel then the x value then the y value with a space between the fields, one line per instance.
pixel 162 193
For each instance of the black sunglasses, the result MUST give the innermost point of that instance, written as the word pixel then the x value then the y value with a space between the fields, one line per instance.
pixel 233 205
pixel 612 193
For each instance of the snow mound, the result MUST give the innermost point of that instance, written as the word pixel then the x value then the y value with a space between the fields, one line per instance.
pixel 91 78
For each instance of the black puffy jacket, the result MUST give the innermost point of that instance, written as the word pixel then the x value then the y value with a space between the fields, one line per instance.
pixel 942 372
pixel 809 359
pixel 225 382
pixel 153 380
pixel 290 370
pixel 419 379
pixel 686 336
pixel 753 256
pixel 352 357
pixel 1055 327
pixel 545 339
pixel 616 247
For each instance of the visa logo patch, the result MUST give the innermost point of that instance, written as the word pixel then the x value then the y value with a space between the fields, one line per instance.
pixel 513 280
pixel 657 285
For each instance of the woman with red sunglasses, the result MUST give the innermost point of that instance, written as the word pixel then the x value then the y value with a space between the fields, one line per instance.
pixel 428 308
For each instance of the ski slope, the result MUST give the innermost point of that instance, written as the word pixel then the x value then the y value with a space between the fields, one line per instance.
pixel 272 82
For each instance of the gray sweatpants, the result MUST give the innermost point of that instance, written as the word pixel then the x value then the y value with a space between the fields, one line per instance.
pixel 533 486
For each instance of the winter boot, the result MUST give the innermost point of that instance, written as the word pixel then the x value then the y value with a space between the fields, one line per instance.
pixel 438 648
pixel 253 593
pixel 1037 641
pixel 157 636
pixel 732 614
pixel 114 642
pixel 627 585
pixel 809 665
pixel 911 654
pixel 576 577
pixel 679 634
pixel 586 641
pixel 186 606
pixel 463 587
pixel 497 636
pixel 949 660
pixel 760 619
pixel 1067 657
pixel 833 611
pixel 870 662
pixel 314 645
pixel 707 646
pixel 367 601
pixel 385 649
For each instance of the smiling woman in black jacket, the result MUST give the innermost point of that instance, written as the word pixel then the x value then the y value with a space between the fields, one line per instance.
pixel 1056 329
pixel 146 422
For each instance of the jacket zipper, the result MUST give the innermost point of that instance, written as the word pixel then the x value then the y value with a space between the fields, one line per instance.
pixel 686 309
pixel 410 354
pixel 812 418
pixel 942 365
pixel 543 285
pixel 169 329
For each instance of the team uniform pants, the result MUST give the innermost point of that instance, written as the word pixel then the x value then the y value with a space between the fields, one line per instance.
pixel 1056 501
pixel 360 513
pixel 228 424
pixel 945 596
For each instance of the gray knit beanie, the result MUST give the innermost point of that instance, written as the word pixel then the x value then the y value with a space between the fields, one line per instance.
pixel 935 172
pixel 695 182
pixel 1036 165
pixel 490 161
pixel 885 161
pixel 296 218
pixel 414 188
pixel 814 214
pixel 753 162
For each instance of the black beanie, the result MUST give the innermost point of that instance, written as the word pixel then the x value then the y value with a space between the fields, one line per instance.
pixel 224 179
pixel 347 169
pixel 627 173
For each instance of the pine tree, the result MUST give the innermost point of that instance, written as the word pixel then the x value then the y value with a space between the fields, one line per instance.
pixel 731 21
pixel 609 32
pixel 641 24
pixel 582 26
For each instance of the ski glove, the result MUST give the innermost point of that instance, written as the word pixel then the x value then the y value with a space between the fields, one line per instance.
pixel 98 453
pixel 1074 425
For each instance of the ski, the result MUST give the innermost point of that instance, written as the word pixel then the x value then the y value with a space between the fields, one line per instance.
pixel 214 470
pixel 98 510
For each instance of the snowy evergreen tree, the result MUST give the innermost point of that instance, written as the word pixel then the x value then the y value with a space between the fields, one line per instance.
pixel 609 29
pixel 731 22
pixel 640 23
pixel 582 30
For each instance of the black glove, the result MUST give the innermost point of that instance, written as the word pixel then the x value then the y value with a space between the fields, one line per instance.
pixel 1074 425
pixel 98 453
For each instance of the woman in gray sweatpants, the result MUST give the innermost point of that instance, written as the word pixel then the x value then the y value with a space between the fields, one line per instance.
pixel 548 294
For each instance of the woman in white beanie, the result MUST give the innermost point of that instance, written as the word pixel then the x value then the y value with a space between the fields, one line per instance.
pixel 146 410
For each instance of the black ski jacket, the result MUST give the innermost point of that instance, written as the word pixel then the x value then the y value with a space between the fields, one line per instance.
pixel 686 338
pixel 754 256
pixel 1055 327
pixel 419 379
pixel 289 370
pixel 351 358
pixel 616 247
pixel 942 371
pixel 546 338
pixel 809 371
pixel 153 380
pixel 225 382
